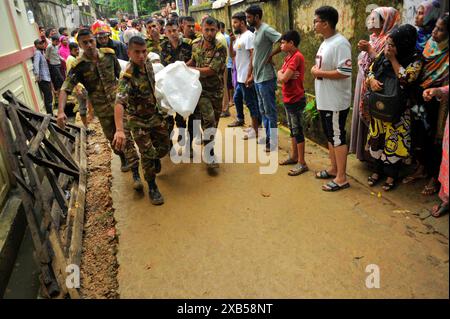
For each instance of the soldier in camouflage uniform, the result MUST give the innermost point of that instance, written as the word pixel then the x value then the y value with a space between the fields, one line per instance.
pixel 154 38
pixel 175 49
pixel 209 57
pixel 98 70
pixel 136 94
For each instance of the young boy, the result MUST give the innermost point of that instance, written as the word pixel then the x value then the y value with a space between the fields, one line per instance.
pixel 79 92
pixel 333 87
pixel 54 61
pixel 291 76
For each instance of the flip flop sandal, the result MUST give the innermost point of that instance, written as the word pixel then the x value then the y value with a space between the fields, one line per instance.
pixel 428 191
pixel 410 179
pixel 324 175
pixel 373 181
pixel 388 186
pixel 288 161
pixel 439 210
pixel 332 186
pixel 298 169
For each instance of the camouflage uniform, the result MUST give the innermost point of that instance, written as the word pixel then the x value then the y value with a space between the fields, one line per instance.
pixel 209 106
pixel 169 55
pixel 100 80
pixel 136 94
pixel 152 46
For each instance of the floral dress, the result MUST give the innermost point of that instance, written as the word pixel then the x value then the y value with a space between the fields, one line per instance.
pixel 391 142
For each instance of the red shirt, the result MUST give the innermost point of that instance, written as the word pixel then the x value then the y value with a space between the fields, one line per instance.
pixel 293 90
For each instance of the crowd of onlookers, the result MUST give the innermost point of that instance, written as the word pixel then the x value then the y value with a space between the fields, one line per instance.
pixel 398 117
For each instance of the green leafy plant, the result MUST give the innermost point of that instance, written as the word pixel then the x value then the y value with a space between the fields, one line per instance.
pixel 310 112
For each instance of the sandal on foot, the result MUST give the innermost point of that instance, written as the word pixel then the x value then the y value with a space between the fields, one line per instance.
pixel 430 190
pixel 288 161
pixel 298 169
pixel 372 181
pixel 388 186
pixel 439 210
pixel 332 186
pixel 324 175
pixel 412 178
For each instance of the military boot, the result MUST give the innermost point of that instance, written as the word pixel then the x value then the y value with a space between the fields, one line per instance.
pixel 155 196
pixel 123 163
pixel 137 184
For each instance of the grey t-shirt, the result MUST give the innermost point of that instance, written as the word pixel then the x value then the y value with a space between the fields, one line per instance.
pixel 265 37
pixel 52 54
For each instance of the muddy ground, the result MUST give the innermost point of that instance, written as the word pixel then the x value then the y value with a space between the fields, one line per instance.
pixel 99 263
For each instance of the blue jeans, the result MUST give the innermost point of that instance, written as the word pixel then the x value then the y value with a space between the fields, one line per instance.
pixel 268 108
pixel 247 94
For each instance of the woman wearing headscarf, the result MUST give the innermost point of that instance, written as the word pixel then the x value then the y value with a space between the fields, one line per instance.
pixel 389 142
pixel 427 14
pixel 379 23
pixel 64 50
pixel 429 116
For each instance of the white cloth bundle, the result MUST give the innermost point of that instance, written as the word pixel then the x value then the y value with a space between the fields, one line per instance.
pixel 178 88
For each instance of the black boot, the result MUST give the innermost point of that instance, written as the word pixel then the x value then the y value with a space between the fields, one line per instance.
pixel 123 163
pixel 155 196
pixel 157 166
pixel 137 184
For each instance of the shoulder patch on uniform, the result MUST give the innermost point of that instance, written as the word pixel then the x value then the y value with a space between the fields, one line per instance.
pixel 77 61
pixel 219 44
pixel 107 50
pixel 128 73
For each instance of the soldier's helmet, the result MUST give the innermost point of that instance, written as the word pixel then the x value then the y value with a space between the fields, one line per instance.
pixel 100 27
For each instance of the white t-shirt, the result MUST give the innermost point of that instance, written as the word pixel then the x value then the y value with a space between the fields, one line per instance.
pixel 242 46
pixel 334 54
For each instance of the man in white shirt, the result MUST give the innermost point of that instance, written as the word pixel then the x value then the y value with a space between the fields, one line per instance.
pixel 241 49
pixel 333 86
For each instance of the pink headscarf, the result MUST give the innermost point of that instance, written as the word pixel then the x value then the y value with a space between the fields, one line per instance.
pixel 64 50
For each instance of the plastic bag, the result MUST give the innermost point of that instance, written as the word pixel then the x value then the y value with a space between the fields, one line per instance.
pixel 178 88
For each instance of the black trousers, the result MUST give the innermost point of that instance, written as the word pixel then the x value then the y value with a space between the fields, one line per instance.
pixel 46 89
pixel 181 124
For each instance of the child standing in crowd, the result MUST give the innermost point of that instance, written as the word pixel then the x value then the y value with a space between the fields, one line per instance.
pixel 291 75
pixel 54 59
pixel 333 84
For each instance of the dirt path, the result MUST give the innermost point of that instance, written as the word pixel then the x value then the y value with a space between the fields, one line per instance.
pixel 244 235
pixel 99 262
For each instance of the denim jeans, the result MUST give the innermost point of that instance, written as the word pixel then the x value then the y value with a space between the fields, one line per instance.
pixel 268 108
pixel 247 94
